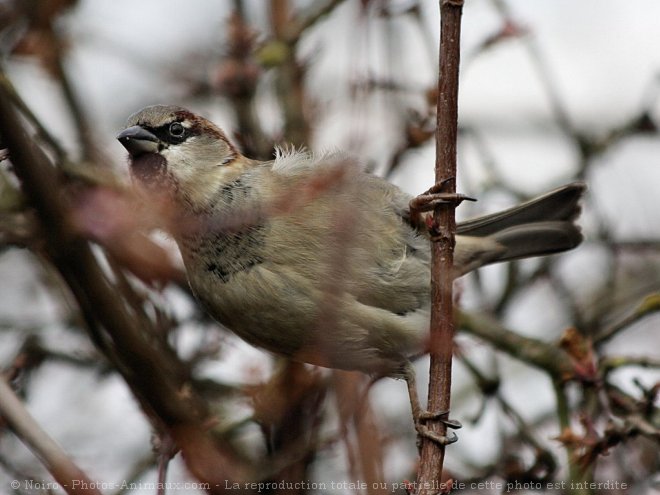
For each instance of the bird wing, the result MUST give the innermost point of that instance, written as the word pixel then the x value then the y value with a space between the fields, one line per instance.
pixel 353 226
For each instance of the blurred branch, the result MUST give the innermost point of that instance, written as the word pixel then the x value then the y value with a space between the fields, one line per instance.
pixel 535 352
pixel 290 77
pixel 43 40
pixel 288 408
pixel 236 77
pixel 611 363
pixel 587 447
pixel 588 146
pixel 97 176
pixel 33 353
pixel 419 129
pixel 575 474
pixel 546 77
pixel 141 255
pixel 639 124
pixel 365 448
pixel 309 18
pixel 636 245
pixel 546 465
pixel 42 132
pixel 148 365
pixel 139 469
pixel 650 305
pixel 490 388
pixel 90 152
pixel 58 463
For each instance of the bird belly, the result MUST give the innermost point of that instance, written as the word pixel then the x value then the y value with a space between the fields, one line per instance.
pixel 283 315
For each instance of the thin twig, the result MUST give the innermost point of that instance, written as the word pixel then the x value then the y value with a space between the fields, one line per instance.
pixel 309 18
pixel 150 367
pixel 576 475
pixel 289 83
pixel 70 477
pixel 649 306
pixel 42 132
pixel 537 353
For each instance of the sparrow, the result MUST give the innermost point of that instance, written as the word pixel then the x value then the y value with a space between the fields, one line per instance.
pixel 310 257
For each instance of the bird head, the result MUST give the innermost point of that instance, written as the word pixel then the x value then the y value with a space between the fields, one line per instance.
pixel 175 151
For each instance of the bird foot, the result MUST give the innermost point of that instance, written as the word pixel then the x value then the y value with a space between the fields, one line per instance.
pixel 424 431
pixel 428 201
pixel 437 195
pixel 443 417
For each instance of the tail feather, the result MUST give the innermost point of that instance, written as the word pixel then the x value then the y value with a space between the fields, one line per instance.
pixel 537 239
pixel 541 226
pixel 561 204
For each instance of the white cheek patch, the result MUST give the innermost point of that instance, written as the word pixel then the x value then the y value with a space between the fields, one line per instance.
pixel 200 165
pixel 197 168
pixel 180 161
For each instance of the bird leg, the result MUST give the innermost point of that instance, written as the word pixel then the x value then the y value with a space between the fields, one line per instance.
pixel 437 195
pixel 427 201
pixel 420 416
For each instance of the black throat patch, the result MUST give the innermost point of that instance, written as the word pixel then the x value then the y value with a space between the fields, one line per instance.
pixel 236 252
pixel 230 238
pixel 150 169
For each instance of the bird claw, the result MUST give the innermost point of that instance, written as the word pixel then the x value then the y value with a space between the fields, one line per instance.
pixel 429 201
pixel 420 416
pixel 454 424
pixel 443 417
pixel 437 195
pixel 434 436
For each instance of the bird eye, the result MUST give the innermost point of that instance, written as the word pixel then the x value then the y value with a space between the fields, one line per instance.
pixel 176 129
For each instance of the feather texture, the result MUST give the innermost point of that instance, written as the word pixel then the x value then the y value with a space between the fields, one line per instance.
pixel 309 257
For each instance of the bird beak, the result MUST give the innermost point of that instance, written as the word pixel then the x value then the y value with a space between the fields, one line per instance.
pixel 138 141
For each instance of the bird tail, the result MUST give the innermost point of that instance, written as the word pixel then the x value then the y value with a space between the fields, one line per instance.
pixel 540 226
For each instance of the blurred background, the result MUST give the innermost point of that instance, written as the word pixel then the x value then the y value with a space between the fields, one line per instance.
pixel 551 92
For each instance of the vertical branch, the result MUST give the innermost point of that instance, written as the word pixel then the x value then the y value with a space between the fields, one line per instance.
pixel 237 77
pixel 444 226
pixel 290 78
pixel 577 476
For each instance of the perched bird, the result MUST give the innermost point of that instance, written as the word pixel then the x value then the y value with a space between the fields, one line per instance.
pixel 308 256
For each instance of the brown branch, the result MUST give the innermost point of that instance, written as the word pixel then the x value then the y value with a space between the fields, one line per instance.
pixel 610 363
pixel 289 84
pixel 150 367
pixel 442 315
pixel 288 409
pixel 44 40
pixel 539 354
pixel 237 77
pixel 365 449
pixel 91 153
pixel 43 133
pixel 70 477
pixel 309 18
pixel 650 305
pixel 546 77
